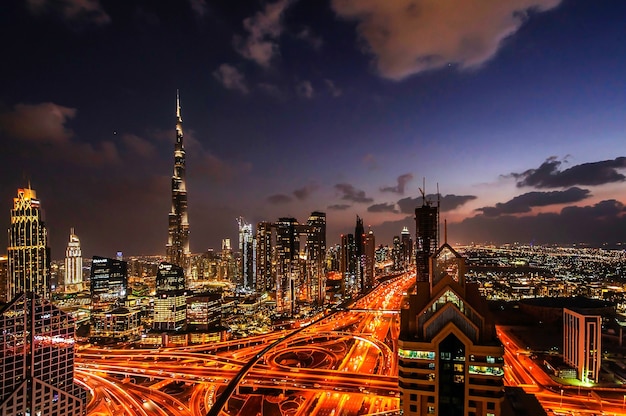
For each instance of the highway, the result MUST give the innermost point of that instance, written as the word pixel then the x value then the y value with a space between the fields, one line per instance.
pixel 340 363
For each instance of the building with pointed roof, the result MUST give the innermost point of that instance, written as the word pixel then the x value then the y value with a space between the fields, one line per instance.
pixel 450 361
pixel 177 248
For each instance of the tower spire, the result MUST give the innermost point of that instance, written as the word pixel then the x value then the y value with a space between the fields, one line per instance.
pixel 178 105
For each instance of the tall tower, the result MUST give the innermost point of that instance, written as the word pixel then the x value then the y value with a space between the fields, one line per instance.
pixel 73 264
pixel 246 269
pixel 369 254
pixel 359 238
pixel 28 251
pixel 426 222
pixel 177 249
pixel 316 254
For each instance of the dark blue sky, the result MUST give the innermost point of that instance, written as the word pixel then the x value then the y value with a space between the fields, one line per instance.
pixel 516 109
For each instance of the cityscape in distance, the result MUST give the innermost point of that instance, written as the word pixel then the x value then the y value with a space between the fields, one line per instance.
pixel 313 208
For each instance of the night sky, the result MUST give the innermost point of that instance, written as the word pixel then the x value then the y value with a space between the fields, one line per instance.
pixel 516 109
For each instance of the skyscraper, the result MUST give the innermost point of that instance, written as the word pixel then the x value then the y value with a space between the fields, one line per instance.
pixel 28 251
pixel 426 222
pixel 315 255
pixel 109 281
pixel 246 268
pixel 369 251
pixel 450 361
pixel 37 363
pixel 264 272
pixel 287 252
pixel 36 338
pixel 170 304
pixel 406 245
pixel 73 264
pixel 177 249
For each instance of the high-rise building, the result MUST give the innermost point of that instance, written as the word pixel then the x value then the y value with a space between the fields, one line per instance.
pixel 170 304
pixel 348 264
pixel 109 281
pixel 287 255
pixel 582 343
pixel 177 249
pixel 73 264
pixel 3 279
pixel 264 272
pixel 37 360
pixel 204 311
pixel 246 269
pixel 28 252
pixel 426 241
pixel 359 239
pixel 396 254
pixel 369 256
pixel 315 251
pixel 450 360
pixel 406 247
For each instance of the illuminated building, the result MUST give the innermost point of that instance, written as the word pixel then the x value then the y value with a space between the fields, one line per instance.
pixel 228 266
pixel 246 268
pixel 264 273
pixel 3 279
pixel 359 239
pixel 426 241
pixel 120 324
pixel 28 252
pixel 450 361
pixel 37 360
pixel 406 247
pixel 170 304
pixel 204 311
pixel 73 265
pixel 287 255
pixel 315 255
pixel 582 343
pixel 348 263
pixel 397 254
pixel 177 249
pixel 369 256
pixel 109 281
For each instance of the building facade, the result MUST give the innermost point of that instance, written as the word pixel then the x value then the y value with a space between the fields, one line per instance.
pixel 247 260
pixel 28 252
pixel 170 304
pixel 37 360
pixel 177 248
pixel 73 264
pixel 426 238
pixel 450 360
pixel 582 343
pixel 108 281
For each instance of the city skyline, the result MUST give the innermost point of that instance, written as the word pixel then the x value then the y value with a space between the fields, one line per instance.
pixel 293 107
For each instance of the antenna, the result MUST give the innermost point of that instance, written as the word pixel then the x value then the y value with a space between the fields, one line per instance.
pixel 177 104
pixel 445 231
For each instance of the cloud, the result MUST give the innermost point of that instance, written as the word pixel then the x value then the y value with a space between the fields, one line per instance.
pixel 304 192
pixel 307 35
pixel 525 202
pixel 271 90
pixel 278 199
pixel 352 194
pixel 86 11
pixel 305 89
pixel 332 88
pixel 139 146
pixel 209 165
pixel 231 78
pixel 339 207
pixel 91 155
pixel 604 222
pixel 384 207
pixel 548 174
pixel 45 122
pixel 410 36
pixel 199 7
pixel 448 202
pixel 264 29
pixel 399 188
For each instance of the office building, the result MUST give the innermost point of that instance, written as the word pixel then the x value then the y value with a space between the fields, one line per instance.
pixel 348 264
pixel 450 361
pixel 37 360
pixel 406 247
pixel 582 343
pixel 73 265
pixel 117 324
pixel 170 304
pixel 246 251
pixel 177 248
pixel 287 256
pixel 315 252
pixel 369 263
pixel 264 269
pixel 28 252
pixel 3 278
pixel 108 281
pixel 204 311
pixel 426 241
pixel 359 240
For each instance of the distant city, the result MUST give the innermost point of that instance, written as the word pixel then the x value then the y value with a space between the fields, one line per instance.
pixel 280 323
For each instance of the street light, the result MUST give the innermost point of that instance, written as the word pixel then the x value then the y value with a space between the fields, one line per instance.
pixel 561 405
